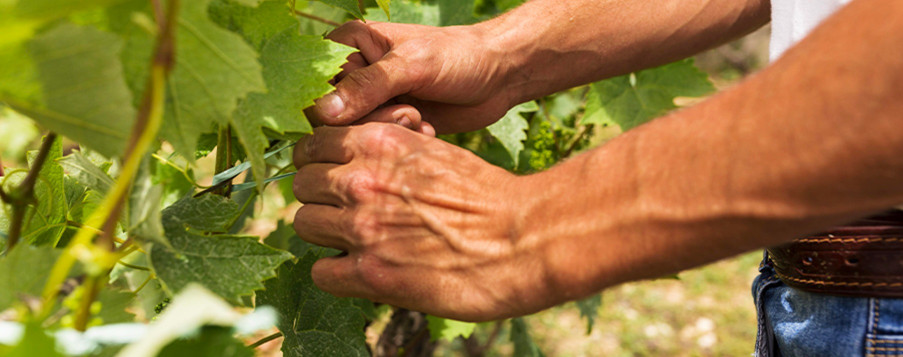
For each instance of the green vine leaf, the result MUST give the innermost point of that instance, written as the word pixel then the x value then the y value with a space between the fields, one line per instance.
pixel 314 323
pixel 456 12
pixel 144 203
pixel 23 272
pixel 435 13
pixel 384 5
pixel 230 266
pixel 35 342
pixel 86 173
pixel 83 94
pixel 209 341
pixel 255 25
pixel 48 215
pixel 76 194
pixel 296 69
pixel 447 329
pixel 251 3
pixel 523 342
pixel 511 129
pixel 214 70
pixel 176 179
pixel 20 18
pixel 114 306
pixel 407 12
pixel 285 238
pixel 18 75
pixel 351 6
pixel 633 99
pixel 589 309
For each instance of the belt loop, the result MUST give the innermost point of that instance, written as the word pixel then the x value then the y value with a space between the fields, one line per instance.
pixel 766 261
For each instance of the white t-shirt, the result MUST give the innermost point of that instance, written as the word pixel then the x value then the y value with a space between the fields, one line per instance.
pixel 791 20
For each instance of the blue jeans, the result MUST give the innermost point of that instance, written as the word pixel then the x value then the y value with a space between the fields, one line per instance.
pixel 794 322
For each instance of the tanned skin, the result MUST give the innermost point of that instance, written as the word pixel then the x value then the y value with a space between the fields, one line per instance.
pixel 812 141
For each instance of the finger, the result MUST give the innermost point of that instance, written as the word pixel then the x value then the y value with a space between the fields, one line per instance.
pixel 322 225
pixel 449 119
pixel 365 89
pixel 325 145
pixel 355 62
pixel 372 44
pixel 427 129
pixel 401 114
pixel 339 276
pixel 314 183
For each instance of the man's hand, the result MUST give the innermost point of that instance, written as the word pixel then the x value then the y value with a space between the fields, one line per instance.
pixel 463 78
pixel 450 75
pixel 426 225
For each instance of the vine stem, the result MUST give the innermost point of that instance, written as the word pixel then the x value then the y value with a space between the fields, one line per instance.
pixel 24 194
pixel 91 287
pixel 493 335
pixel 584 130
pixel 146 281
pixel 181 170
pixel 144 132
pixel 269 338
pixel 244 208
pixel 316 18
pixel 127 265
pixel 224 158
pixel 418 337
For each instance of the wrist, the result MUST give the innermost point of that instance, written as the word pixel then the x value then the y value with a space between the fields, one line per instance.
pixel 553 245
pixel 509 48
pixel 576 221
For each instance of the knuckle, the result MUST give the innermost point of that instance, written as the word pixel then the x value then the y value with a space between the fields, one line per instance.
pixel 346 32
pixel 360 186
pixel 311 146
pixel 382 139
pixel 365 226
pixel 366 77
pixel 299 223
pixel 298 183
pixel 417 58
pixel 324 275
pixel 374 275
pixel 299 152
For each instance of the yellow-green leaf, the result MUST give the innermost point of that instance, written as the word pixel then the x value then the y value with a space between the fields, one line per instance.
pixel 83 94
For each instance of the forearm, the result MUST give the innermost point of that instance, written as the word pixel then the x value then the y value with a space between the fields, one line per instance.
pixel 551 45
pixel 814 140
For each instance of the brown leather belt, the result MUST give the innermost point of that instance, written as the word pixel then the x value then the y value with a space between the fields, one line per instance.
pixel 864 258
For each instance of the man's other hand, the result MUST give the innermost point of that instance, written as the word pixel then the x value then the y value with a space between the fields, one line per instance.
pixel 426 225
pixel 451 75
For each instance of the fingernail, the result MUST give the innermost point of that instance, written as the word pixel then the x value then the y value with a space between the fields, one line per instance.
pixel 405 122
pixel 331 105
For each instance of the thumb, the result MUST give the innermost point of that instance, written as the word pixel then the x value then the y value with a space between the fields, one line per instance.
pixel 362 90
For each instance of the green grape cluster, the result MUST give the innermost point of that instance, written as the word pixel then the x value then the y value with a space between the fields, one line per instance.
pixel 161 306
pixel 543 153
